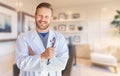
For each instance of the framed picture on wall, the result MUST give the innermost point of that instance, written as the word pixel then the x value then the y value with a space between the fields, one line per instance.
pixel 75 15
pixel 28 22
pixel 61 27
pixel 8 23
pixel 62 16
pixel 71 27
pixel 76 38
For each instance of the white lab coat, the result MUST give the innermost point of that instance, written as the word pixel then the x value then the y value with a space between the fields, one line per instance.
pixel 33 65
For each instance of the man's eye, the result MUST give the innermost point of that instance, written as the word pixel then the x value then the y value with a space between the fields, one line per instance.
pixel 46 17
pixel 40 15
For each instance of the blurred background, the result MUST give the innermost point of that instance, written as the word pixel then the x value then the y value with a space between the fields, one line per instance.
pixel 92 27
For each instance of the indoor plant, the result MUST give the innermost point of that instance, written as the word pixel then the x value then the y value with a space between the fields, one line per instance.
pixel 116 20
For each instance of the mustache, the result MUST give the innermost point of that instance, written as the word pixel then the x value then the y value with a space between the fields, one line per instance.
pixel 42 21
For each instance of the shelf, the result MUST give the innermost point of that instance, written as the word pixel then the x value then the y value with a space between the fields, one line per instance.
pixel 70 32
pixel 69 20
pixel 71 28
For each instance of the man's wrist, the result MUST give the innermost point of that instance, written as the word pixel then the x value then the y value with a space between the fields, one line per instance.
pixel 42 57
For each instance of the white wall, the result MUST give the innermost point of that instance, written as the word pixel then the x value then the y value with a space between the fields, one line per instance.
pixel 7 57
pixel 7 50
pixel 98 17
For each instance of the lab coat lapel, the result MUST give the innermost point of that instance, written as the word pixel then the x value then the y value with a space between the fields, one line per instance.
pixel 37 42
pixel 50 37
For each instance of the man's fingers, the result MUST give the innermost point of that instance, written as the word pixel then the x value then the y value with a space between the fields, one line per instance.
pixel 51 53
pixel 31 51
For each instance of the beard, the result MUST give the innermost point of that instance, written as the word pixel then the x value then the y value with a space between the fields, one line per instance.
pixel 42 25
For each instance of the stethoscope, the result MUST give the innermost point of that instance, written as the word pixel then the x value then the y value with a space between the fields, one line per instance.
pixel 53 45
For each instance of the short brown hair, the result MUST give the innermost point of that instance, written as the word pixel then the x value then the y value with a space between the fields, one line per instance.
pixel 44 4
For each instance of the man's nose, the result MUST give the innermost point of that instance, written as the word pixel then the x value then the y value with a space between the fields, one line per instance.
pixel 43 19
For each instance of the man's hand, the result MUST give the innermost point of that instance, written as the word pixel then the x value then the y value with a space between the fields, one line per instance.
pixel 31 53
pixel 48 53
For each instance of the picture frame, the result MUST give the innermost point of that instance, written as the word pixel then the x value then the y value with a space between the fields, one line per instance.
pixel 62 16
pixel 67 38
pixel 55 28
pixel 62 27
pixel 71 27
pixel 8 23
pixel 76 38
pixel 75 15
pixel 28 22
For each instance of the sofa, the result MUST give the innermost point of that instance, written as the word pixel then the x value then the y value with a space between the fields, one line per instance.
pixel 102 54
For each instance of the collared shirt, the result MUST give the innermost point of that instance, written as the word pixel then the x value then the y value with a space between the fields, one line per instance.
pixel 44 38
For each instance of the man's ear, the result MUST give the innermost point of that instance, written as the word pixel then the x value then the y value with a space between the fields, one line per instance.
pixel 35 16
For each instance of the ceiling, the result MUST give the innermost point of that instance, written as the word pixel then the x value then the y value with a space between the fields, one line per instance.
pixel 57 3
pixel 71 3
pixel 29 5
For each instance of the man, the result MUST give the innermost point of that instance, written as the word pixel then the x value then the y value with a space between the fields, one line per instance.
pixel 41 52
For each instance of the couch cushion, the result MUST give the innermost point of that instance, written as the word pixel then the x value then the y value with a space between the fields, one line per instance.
pixel 101 48
pixel 103 59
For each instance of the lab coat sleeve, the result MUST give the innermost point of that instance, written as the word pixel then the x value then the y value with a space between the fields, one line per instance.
pixel 60 60
pixel 23 60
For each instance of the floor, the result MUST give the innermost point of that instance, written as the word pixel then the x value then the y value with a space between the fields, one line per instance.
pixel 85 68
pixel 6 65
pixel 82 68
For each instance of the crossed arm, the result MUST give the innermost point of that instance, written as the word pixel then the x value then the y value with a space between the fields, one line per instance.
pixel 30 61
pixel 47 54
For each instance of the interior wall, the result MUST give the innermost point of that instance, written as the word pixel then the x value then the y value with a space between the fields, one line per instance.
pixel 19 5
pixel 7 57
pixel 98 17
pixel 7 48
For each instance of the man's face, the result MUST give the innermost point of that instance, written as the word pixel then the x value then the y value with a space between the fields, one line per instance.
pixel 43 17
